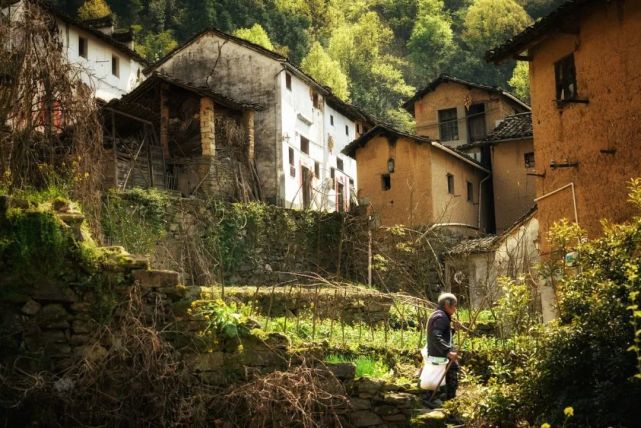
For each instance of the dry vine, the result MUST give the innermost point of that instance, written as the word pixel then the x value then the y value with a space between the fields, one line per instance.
pixel 129 376
pixel 300 397
pixel 50 132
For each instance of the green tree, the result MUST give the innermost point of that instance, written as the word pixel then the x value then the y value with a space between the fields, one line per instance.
pixel 326 70
pixel 255 34
pixel 156 46
pixel 489 23
pixel 93 9
pixel 520 81
pixel 376 78
pixel 431 41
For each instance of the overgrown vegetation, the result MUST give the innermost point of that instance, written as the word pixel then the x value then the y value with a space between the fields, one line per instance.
pixel 588 359
pixel 50 134
pixel 136 222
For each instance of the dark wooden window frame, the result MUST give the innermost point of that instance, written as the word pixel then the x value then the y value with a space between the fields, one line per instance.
pixel 83 47
pixel 448 124
pixel 565 80
pixel 304 145
pixel 450 184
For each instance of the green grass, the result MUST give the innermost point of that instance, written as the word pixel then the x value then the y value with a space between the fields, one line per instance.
pixel 365 366
pixel 335 334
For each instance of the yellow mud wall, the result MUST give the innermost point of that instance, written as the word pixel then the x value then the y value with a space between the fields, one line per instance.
pixel 603 136
pixel 453 95
pixel 514 190
pixel 408 201
pixel 454 208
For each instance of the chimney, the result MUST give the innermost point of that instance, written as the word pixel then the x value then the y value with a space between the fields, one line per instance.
pixel 105 24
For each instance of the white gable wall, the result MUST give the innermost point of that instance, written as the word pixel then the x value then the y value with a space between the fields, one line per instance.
pixel 340 139
pixel 301 119
pixel 98 72
pixel 98 63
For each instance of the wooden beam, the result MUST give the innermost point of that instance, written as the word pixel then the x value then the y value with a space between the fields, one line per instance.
pixel 114 147
pixel 248 122
pixel 527 58
pixel 164 122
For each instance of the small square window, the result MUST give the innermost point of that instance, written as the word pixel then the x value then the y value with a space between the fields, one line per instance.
pixel 288 81
pixel 386 182
pixel 339 164
pixel 115 66
pixel 316 100
pixel 351 182
pixel 565 75
pixel 529 160
pixel 331 119
pixel 450 184
pixel 470 192
pixel 304 145
pixel 346 129
pixel 82 47
pixel 316 169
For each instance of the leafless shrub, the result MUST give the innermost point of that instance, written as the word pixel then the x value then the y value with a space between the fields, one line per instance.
pixel 128 375
pixel 50 133
pixel 300 397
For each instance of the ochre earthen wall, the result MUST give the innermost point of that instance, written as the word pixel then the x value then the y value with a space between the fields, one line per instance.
pixel 409 200
pixel 418 193
pixel 450 95
pixel 514 190
pixel 455 208
pixel 602 136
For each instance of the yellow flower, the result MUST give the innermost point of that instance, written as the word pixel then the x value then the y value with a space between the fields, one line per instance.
pixel 568 411
pixel 546 425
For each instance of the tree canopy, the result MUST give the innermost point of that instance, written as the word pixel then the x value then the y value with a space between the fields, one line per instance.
pixel 371 52
pixel 93 9
pixel 255 34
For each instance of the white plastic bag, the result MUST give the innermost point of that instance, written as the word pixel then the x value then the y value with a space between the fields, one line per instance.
pixel 433 370
pixel 431 375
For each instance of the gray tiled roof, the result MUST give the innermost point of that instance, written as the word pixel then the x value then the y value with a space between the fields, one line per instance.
pixel 515 127
pixel 473 246
pixel 512 127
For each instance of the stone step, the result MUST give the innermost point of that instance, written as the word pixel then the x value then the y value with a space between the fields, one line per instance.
pixel 156 278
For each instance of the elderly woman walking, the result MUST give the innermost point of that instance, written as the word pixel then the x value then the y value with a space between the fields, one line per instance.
pixel 440 339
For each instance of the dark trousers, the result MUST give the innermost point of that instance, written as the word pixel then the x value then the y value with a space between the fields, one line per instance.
pixel 451 379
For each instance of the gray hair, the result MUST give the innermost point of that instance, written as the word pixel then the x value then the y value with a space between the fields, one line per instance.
pixel 447 298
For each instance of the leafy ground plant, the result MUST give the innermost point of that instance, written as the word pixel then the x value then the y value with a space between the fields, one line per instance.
pixel 365 366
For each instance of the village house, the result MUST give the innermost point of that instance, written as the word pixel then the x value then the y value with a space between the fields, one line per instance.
pixel 414 180
pixel 585 79
pixel 473 268
pixel 511 155
pixel 168 134
pixel 302 129
pixel 457 112
pixel 460 114
pixel 110 66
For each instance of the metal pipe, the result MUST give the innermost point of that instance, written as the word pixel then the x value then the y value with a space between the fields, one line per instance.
pixel 480 198
pixel 554 192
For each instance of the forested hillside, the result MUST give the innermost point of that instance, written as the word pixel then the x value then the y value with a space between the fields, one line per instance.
pixel 373 53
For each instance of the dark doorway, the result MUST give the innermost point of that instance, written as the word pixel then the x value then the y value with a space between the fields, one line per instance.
pixel 476 128
pixel 340 204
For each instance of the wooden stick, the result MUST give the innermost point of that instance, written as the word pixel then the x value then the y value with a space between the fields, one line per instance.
pixel 449 364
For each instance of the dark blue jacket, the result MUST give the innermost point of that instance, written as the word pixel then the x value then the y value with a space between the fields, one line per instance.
pixel 439 334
